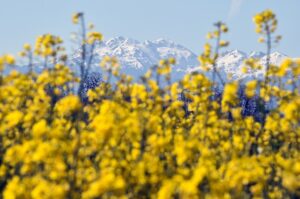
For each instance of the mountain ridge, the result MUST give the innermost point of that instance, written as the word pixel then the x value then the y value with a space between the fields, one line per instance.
pixel 136 57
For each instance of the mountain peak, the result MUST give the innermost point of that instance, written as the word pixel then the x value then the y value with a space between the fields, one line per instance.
pixel 232 56
pixel 116 39
pixel 278 54
pixel 234 52
pixel 256 54
pixel 163 40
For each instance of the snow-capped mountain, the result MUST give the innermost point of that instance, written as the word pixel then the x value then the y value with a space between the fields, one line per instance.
pixel 136 57
pixel 139 55
pixel 231 63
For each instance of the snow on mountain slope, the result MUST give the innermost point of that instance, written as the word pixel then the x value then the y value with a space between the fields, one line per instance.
pixel 140 55
pixel 256 55
pixel 231 64
pixel 166 49
pixel 136 57
pixel 275 58
pixel 128 51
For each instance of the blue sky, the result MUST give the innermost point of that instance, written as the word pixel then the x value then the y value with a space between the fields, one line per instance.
pixel 185 22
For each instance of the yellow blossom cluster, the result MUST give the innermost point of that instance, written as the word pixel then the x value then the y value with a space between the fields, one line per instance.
pixel 209 58
pixel 76 17
pixel 47 45
pixel 266 23
pixel 146 139
pixel 93 37
pixel 6 59
pixel 165 66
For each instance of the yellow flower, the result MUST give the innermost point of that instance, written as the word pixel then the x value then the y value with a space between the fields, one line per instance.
pixel 244 69
pixel 292 111
pixel 229 95
pixel 9 59
pixel 22 54
pixel 285 65
pixel 224 43
pixel 224 28
pixel 1 64
pixel 27 47
pixel 251 88
pixel 166 191
pixel 258 19
pixel 236 113
pixel 94 36
pixel 172 61
pixel 164 67
pixel 68 105
pixel 209 36
pixel 13 119
pixel 40 128
pixel 13 189
pixel 261 40
pixel 266 23
pixel 75 17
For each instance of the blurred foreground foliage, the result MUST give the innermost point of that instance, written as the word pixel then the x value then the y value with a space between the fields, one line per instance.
pixel 64 136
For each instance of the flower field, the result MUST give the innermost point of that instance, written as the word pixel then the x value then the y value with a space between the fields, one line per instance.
pixel 152 138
